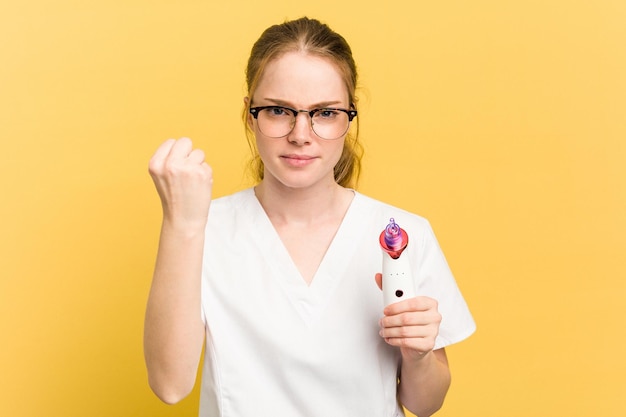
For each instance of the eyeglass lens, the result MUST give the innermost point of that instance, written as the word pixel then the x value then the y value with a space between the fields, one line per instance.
pixel 277 122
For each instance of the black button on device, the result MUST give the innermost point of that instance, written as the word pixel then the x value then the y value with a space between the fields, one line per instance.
pixel 399 293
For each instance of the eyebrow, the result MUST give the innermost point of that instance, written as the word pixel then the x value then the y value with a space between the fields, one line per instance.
pixel 320 105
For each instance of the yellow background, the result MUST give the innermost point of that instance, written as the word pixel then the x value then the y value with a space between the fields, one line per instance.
pixel 503 122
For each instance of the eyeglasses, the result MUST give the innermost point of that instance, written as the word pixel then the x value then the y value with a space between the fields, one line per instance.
pixel 328 123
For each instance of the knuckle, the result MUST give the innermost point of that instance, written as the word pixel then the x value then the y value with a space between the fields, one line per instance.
pixel 153 167
pixel 172 168
pixel 436 317
pixel 399 342
pixel 413 303
pixel 405 332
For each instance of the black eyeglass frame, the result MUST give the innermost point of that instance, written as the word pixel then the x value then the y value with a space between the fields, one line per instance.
pixel 254 111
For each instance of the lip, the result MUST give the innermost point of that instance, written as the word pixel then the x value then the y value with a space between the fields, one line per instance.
pixel 297 159
pixel 296 156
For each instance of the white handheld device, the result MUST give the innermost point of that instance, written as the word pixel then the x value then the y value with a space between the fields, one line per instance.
pixel 397 277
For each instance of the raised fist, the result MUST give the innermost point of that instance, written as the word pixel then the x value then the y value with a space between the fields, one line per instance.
pixel 183 180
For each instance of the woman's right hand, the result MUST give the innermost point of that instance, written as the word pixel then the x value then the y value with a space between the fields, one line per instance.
pixel 184 182
pixel 174 332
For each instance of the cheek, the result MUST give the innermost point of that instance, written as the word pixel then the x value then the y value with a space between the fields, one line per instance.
pixel 263 145
pixel 338 151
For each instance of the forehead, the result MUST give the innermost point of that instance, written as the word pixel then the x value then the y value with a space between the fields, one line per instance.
pixel 302 79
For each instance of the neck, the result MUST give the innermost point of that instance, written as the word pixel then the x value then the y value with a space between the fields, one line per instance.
pixel 302 205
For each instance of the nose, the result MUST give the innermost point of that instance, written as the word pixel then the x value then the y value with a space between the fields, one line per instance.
pixel 302 129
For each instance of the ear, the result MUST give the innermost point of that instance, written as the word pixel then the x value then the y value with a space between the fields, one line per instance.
pixel 246 102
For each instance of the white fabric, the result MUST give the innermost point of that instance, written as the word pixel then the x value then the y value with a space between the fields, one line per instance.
pixel 278 347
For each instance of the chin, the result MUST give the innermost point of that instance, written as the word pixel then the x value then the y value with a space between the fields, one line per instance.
pixel 299 181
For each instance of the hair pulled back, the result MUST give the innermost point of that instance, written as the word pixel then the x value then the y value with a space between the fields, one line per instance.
pixel 315 38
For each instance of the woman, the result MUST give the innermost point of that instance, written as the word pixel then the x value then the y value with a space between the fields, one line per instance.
pixel 276 280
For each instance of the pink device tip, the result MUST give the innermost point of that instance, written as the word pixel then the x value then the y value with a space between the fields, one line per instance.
pixel 393 239
pixel 393 235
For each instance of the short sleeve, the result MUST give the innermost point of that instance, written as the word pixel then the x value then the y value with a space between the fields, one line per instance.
pixel 435 280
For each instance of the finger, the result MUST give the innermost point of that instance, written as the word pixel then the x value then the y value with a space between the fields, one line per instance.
pixel 379 280
pixel 411 304
pixel 411 319
pixel 182 148
pixel 418 344
pixel 196 156
pixel 408 332
pixel 163 150
pixel 158 159
pixel 208 170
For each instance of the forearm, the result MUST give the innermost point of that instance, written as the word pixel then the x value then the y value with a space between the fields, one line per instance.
pixel 424 383
pixel 174 333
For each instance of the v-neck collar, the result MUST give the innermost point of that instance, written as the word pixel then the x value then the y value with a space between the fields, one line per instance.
pixel 311 299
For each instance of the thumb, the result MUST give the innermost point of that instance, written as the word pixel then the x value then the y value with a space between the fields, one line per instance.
pixel 379 280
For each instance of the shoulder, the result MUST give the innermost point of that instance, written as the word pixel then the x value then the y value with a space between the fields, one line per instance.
pixel 232 201
pixel 382 212
pixel 229 210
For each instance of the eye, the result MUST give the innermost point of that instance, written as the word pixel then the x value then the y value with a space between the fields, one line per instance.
pixel 277 111
pixel 327 114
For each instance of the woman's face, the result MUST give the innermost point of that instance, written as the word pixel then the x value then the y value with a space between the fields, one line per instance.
pixel 303 82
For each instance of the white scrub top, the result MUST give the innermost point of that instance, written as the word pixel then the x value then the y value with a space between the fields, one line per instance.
pixel 276 346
